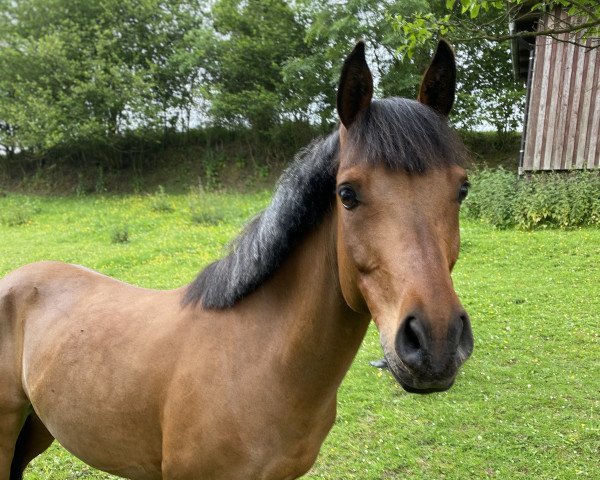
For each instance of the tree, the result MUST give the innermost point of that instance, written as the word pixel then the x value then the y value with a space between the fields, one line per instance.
pixel 74 69
pixel 252 41
pixel 461 21
pixel 480 30
pixel 332 29
pixel 487 92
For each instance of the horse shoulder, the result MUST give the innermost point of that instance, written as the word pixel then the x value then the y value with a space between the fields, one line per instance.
pixel 18 291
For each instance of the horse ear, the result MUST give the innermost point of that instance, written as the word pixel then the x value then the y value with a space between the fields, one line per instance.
pixel 356 86
pixel 439 82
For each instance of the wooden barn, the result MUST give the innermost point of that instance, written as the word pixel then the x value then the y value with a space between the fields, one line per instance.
pixel 561 128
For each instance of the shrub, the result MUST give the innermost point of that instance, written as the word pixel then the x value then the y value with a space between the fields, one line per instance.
pixel 545 200
pixel 206 217
pixel 490 142
pixel 212 164
pixel 493 197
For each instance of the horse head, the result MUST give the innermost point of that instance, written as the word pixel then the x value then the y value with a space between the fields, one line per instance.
pixel 399 184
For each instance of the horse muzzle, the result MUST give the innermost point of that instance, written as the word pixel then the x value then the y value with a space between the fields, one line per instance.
pixel 425 360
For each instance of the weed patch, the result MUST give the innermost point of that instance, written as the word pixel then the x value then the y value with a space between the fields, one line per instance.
pixel 159 201
pixel 18 212
pixel 547 200
pixel 204 210
pixel 120 234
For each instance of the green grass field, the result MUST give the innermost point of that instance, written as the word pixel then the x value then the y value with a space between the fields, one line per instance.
pixel 526 405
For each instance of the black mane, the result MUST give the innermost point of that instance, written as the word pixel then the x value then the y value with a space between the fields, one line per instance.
pixel 402 134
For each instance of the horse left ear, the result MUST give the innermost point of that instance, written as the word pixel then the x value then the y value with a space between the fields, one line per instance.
pixel 356 86
pixel 439 82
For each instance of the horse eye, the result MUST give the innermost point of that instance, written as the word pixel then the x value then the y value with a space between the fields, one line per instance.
pixel 348 197
pixel 464 191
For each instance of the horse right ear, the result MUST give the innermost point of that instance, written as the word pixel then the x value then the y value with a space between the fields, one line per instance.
pixel 356 86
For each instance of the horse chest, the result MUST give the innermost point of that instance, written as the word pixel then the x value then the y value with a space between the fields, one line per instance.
pixel 257 458
pixel 258 441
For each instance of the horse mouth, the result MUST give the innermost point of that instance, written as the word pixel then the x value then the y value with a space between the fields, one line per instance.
pixel 413 385
pixel 424 390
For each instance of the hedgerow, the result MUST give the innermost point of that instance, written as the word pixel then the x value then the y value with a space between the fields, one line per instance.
pixel 545 200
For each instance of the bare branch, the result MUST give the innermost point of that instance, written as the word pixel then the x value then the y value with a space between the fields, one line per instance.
pixel 576 43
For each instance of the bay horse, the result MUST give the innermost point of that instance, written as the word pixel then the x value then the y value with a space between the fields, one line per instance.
pixel 235 375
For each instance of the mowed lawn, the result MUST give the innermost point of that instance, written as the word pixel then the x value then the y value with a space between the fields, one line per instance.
pixel 526 405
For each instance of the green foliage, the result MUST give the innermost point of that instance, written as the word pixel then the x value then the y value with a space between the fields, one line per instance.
pixel 487 92
pixel 545 200
pixel 334 27
pixel 492 197
pixel 472 21
pixel 485 143
pixel 206 214
pixel 479 29
pixel 140 162
pixel 159 201
pixel 108 82
pixel 559 200
pixel 18 211
pixel 211 209
pixel 17 216
pixel 120 234
pixel 212 163
pixel 80 70
pixel 251 43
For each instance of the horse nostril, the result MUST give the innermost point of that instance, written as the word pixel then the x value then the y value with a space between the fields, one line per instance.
pixel 411 337
pixel 455 333
pixel 464 321
pixel 411 342
pixel 465 338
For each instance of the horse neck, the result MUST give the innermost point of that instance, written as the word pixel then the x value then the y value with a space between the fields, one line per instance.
pixel 318 333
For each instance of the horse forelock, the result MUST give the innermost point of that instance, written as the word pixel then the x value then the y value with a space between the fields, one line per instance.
pixel 404 135
pixel 401 134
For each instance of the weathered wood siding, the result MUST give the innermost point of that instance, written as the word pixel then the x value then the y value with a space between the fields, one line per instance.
pixel 563 124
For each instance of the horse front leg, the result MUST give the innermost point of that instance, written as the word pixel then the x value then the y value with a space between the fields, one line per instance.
pixel 33 440
pixel 14 408
pixel 14 405
pixel 11 421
